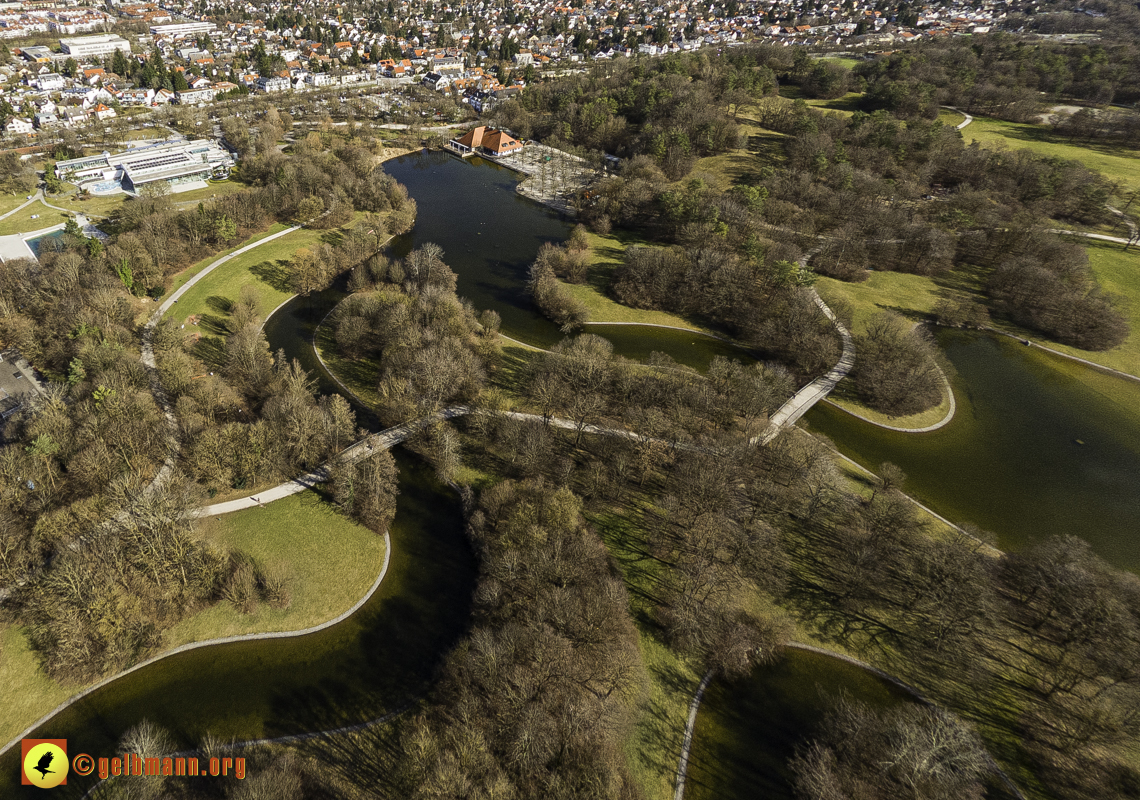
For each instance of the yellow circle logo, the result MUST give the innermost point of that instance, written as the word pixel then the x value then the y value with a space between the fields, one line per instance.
pixel 45 765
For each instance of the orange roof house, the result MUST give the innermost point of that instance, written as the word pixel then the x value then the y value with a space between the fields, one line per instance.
pixel 491 140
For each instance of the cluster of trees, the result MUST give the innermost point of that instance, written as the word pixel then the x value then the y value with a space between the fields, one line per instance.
pixel 16 176
pixel 1113 21
pixel 315 180
pixel 117 580
pixel 366 489
pixel 897 370
pixel 762 299
pixel 674 108
pixel 428 344
pixel 582 380
pixel 1000 75
pixel 1087 125
pixel 948 204
pixel 719 550
pixel 567 262
pixel 536 700
pixel 1053 627
pixel 1047 285
pixel 269 426
pixel 909 752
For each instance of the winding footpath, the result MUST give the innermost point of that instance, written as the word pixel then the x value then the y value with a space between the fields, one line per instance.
pixel 914 692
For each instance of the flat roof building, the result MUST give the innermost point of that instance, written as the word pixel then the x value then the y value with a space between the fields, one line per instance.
pixel 98 45
pixel 175 163
pixel 180 30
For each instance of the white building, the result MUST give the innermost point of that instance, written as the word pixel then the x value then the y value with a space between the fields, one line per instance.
pixel 273 84
pixel 17 125
pixel 101 45
pixel 180 30
pixel 51 82
pixel 176 164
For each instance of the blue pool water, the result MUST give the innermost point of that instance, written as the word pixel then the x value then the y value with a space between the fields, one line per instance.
pixel 37 242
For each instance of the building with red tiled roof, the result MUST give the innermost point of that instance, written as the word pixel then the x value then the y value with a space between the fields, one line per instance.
pixel 489 140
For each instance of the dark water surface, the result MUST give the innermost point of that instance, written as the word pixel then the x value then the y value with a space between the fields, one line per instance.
pixel 1039 446
pixel 490 236
pixel 748 729
pixel 371 663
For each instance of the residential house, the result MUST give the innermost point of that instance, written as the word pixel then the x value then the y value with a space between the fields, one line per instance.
pixel 273 84
pixel 19 125
pixel 433 80
pixel 102 112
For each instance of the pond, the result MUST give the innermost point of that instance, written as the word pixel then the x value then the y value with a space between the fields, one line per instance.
pixel 490 235
pixel 371 663
pixel 1039 446
pixel 44 241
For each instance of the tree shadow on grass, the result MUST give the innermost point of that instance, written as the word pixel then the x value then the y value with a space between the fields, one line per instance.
pixel 220 304
pixel 211 351
pixel 1035 133
pixel 214 326
pixel 275 273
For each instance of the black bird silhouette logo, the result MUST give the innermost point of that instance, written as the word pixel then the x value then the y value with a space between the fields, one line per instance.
pixel 43 764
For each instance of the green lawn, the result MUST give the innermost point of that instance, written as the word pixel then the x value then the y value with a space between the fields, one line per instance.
pixel 847 105
pixel 102 206
pixel 264 268
pixel 606 256
pixel 850 63
pixel 22 222
pixel 329 560
pixel 915 296
pixel 191 271
pixel 213 189
pixel 948 117
pixel 1113 161
pixel 912 296
pixel 10 201
pixel 847 401
pixel 360 375
pixel 762 147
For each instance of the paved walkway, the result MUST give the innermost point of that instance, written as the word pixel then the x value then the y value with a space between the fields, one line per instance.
pixel 821 387
pixel 694 707
pixel 22 206
pixel 964 122
pixel 802 401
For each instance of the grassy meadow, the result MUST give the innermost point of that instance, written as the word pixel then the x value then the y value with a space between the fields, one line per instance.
pixel 329 561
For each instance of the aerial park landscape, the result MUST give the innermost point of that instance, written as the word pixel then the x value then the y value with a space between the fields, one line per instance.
pixel 751 476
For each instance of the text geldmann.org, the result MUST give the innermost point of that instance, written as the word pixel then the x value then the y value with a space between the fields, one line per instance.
pixel 153 766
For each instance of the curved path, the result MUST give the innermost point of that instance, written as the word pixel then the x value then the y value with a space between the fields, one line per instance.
pixel 22 206
pixel 927 429
pixel 963 123
pixel 694 707
pixel 818 389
